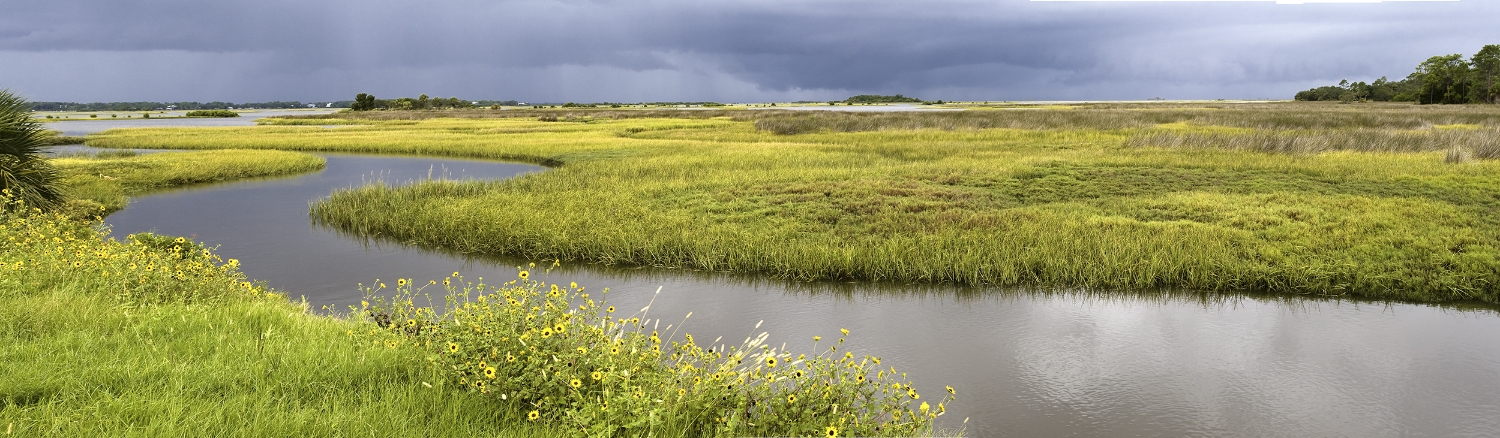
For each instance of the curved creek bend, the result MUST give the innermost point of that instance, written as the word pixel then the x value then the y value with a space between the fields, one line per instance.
pixel 1067 363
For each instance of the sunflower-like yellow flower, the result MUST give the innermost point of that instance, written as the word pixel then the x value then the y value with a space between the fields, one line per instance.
pixel 771 361
pixel 575 383
pixel 831 432
pixel 452 347
pixel 791 398
pixel 523 276
pixel 533 415
pixel 597 375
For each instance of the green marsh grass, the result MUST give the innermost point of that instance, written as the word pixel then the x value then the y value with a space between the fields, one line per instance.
pixel 566 358
pixel 212 113
pixel 156 336
pixel 1283 115
pixel 102 182
pixel 943 197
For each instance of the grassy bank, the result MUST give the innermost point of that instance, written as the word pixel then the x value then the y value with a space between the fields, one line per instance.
pixel 158 336
pixel 155 336
pixel 1108 197
pixel 103 182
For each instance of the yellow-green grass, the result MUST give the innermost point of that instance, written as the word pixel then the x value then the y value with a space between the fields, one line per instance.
pixel 157 336
pixel 94 344
pixel 102 183
pixel 569 359
pixel 942 198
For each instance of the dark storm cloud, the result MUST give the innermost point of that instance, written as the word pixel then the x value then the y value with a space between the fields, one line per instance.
pixel 718 50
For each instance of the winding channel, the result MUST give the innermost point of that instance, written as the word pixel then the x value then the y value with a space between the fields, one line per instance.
pixel 1063 363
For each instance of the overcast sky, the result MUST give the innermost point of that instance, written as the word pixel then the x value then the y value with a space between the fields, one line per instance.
pixel 719 50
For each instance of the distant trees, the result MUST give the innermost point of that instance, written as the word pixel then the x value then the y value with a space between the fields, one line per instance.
pixel 876 98
pixel 363 102
pixel 212 113
pixel 1486 65
pixel 367 102
pixel 1446 79
pixel 1382 90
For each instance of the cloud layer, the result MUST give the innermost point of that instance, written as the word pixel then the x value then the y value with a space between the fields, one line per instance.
pixel 727 50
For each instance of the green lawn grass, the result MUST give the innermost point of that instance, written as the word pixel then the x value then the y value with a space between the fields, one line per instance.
pixel 1103 198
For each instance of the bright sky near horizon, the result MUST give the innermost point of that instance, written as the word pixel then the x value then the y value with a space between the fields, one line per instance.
pixel 724 50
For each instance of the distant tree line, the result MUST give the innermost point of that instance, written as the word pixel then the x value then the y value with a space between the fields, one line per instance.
pixel 876 98
pixel 1440 79
pixel 152 106
pixel 212 113
pixel 367 102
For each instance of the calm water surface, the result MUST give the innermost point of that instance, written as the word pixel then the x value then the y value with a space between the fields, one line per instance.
pixel 79 127
pixel 1025 363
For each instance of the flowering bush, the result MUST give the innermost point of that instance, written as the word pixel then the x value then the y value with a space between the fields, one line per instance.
pixel 144 269
pixel 564 356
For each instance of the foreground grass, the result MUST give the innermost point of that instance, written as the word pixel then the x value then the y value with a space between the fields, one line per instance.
pixel 157 337
pixel 1118 198
pixel 103 182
